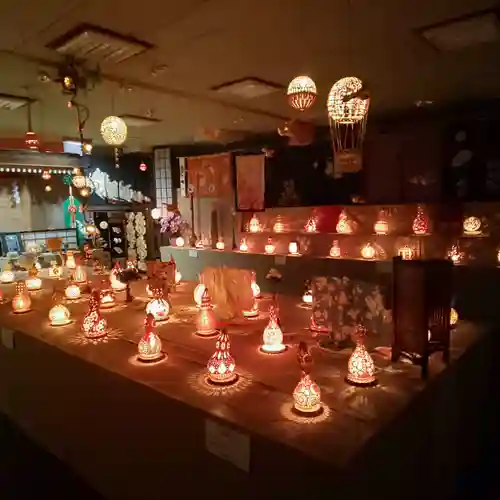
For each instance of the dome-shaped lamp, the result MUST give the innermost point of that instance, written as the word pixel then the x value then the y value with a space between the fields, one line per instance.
pixel 221 364
pixel 301 93
pixel 114 131
pixel 179 241
pixel 59 315
pixel 72 291
pixel 158 306
pixel 270 247
pixel 307 397
pixel 344 109
pixel 33 282
pixel 149 348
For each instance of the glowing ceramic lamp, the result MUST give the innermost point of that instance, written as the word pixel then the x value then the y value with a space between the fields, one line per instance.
pixel 72 291
pixel 94 325
pixel 252 313
pixel 307 298
pixel 7 275
pixel 55 271
pixel 453 317
pixel 243 245
pixel 293 248
pixel 107 299
pixel 198 293
pixel 360 367
pixel 272 339
pixel 472 226
pixel 335 250
pixel 368 252
pixel 59 315
pixel 205 318
pixel 149 348
pixel 79 275
pixel 220 245
pixel 405 252
pixel 70 260
pixel 255 287
pixel 116 284
pixel 344 225
pixel 279 227
pixel 254 225
pixel 21 302
pixel 33 283
pixel 179 242
pixel 307 397
pixel 269 248
pixel 310 227
pixel 158 307
pixel 178 277
pixel 221 365
pixel 381 226
pixel 421 222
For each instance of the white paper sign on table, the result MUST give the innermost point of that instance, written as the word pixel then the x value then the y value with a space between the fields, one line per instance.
pixel 193 253
pixel 228 444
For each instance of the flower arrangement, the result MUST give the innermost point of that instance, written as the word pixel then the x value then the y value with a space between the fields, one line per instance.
pixel 173 223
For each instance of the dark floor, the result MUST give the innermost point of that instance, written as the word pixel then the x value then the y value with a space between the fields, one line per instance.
pixel 27 472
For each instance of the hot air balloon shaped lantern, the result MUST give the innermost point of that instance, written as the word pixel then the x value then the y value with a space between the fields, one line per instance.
pixel 421 222
pixel 301 92
pixel 205 319
pixel 360 367
pixel 158 306
pixel 221 365
pixel 7 275
pixel 21 302
pixel 33 282
pixel 272 339
pixel 344 224
pixel 307 394
pixel 149 348
pixel 94 326
pixel 254 225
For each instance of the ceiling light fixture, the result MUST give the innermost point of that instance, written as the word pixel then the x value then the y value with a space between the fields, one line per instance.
pixel 11 102
pixel 247 88
pixel 139 121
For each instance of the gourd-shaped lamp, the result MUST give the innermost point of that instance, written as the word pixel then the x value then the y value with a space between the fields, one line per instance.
pixel 116 284
pixel 158 306
pixel 255 286
pixel 307 396
pixel 335 249
pixel 94 325
pixel 7 275
pixel 254 225
pixel 243 245
pixel 205 318
pixel 33 282
pixel 21 302
pixel 272 339
pixel 360 367
pixel 72 291
pixel 269 248
pixel 279 227
pixel 344 225
pixel 79 275
pixel 59 314
pixel 221 364
pixel 149 348
pixel 421 222
pixel 70 260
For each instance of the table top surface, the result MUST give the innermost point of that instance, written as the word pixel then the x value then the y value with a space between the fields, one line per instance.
pixel 261 401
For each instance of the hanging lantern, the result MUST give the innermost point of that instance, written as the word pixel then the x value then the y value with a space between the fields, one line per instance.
pixel 158 307
pixel 310 227
pixel 94 325
pixel 382 225
pixel 269 248
pixel 221 365
pixel 205 318
pixel 307 397
pixel 301 93
pixel 472 226
pixel 344 224
pixel 143 167
pixel 343 105
pixel 254 225
pixel 46 175
pixel 72 291
pixel 21 302
pixel 421 222
pixel 368 252
pixel 279 227
pixel 79 180
pixel 179 241
pixel 149 348
pixel 107 300
pixel 293 248
pixel 335 249
pixel 220 244
pixel 59 315
pixel 405 252
pixel 272 338
pixel 7 275
pixel 114 131
pixel 243 245
pixel 360 367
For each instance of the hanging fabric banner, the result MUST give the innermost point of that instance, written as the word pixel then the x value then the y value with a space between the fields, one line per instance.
pixel 210 176
pixel 250 182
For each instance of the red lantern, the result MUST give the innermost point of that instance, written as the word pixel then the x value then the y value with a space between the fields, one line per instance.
pixel 143 167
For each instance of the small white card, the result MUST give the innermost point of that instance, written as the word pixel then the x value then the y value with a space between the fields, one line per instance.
pixel 280 260
pixel 228 444
pixel 193 253
pixel 7 338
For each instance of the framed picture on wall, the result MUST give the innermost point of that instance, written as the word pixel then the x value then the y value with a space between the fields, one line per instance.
pixel 250 183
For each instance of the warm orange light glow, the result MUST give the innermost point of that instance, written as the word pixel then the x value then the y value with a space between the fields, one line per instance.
pixel 279 227
pixel 178 277
pixel 344 225
pixel 21 302
pixel 472 226
pixel 7 276
pixel 381 226
pixel 205 318
pixel 293 248
pixel 421 222
pixel 341 108
pixel 368 252
pixel 198 293
pixel 360 367
pixel 453 317
pixel 33 283
pixel 301 93
pixel 179 242
pixel 94 325
pixel 254 312
pixel 220 245
pixel 335 250
pixel 254 225
pixel 221 364
pixel 158 307
pixel 79 275
pixel 59 315
pixel 149 348
pixel 455 255
pixel 72 292
pixel 269 248
pixel 307 396
pixel 307 298
pixel 70 260
pixel 55 271
pixel 272 339
pixel 243 245
pixel 255 287
pixel 310 226
pixel 405 252
pixel 107 299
